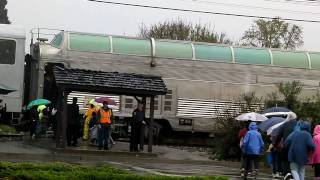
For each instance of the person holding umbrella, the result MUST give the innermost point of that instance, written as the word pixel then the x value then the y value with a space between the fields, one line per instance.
pixel 252 147
pixel 273 148
pixel 36 107
pixel 282 134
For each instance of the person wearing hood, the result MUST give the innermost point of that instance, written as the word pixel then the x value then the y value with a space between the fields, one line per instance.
pixel 299 144
pixel 252 147
pixel 315 158
pixel 88 117
pixel 285 130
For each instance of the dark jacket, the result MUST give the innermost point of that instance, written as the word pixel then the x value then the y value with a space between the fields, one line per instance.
pixel 300 143
pixel 73 114
pixel 286 129
pixel 252 142
pixel 138 117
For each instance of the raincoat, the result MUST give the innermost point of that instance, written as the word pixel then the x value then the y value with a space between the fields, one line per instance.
pixel 88 116
pixel 299 143
pixel 315 158
pixel 252 142
pixel 40 111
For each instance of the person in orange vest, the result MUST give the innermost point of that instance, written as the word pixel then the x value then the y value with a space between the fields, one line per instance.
pixel 105 117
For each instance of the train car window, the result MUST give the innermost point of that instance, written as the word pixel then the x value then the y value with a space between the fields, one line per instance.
pixel 168 101
pixel 56 42
pixel 129 103
pixel 7 51
pixel 93 43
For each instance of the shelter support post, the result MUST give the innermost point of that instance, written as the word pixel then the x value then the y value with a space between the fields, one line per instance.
pixel 144 102
pixel 62 120
pixel 151 124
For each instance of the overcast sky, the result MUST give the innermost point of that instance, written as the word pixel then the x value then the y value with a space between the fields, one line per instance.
pixel 85 16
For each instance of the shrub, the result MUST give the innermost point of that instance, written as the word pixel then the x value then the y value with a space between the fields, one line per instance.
pixel 63 171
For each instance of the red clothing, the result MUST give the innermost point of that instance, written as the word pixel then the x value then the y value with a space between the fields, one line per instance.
pixel 242 133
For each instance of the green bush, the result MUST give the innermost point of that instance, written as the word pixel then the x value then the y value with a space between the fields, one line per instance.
pixel 63 171
pixel 227 128
pixel 5 129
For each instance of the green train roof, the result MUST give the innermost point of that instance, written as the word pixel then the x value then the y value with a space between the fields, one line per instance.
pixel 189 50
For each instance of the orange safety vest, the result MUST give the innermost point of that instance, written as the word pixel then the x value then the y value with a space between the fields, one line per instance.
pixel 105 116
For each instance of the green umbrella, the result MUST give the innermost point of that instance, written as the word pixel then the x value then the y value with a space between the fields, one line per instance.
pixel 38 102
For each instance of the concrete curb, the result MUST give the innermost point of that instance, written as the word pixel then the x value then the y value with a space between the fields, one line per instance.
pixel 85 152
pixel 101 153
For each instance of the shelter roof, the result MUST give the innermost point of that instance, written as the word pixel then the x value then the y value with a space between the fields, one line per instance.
pixel 109 82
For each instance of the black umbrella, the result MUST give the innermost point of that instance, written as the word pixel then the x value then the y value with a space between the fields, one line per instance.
pixel 5 90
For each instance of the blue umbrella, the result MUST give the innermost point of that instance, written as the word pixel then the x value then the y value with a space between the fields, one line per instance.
pixel 265 125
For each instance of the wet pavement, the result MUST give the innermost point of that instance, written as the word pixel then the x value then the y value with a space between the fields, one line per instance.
pixel 164 160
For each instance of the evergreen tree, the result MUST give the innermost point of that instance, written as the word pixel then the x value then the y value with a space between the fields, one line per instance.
pixel 3 12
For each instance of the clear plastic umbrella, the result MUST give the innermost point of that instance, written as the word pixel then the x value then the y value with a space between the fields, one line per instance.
pixel 252 116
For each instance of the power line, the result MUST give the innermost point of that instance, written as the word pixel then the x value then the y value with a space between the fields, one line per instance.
pixel 203 12
pixel 247 6
pixel 305 3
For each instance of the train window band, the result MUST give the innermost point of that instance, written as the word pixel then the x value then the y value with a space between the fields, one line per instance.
pixel 156 102
pixel 7 51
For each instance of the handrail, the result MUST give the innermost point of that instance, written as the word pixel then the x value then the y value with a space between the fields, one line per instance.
pixel 38 32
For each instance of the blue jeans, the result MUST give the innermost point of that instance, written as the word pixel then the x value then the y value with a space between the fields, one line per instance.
pixel 103 137
pixel 297 171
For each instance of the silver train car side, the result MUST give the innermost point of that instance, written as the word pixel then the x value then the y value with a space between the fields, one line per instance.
pixel 202 78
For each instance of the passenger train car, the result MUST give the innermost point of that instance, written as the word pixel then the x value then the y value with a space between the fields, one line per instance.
pixel 202 78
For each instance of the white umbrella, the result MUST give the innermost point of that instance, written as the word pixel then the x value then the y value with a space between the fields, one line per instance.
pixel 252 116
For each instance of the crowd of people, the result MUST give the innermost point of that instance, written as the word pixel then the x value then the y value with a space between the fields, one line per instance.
pixel 290 150
pixel 96 125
